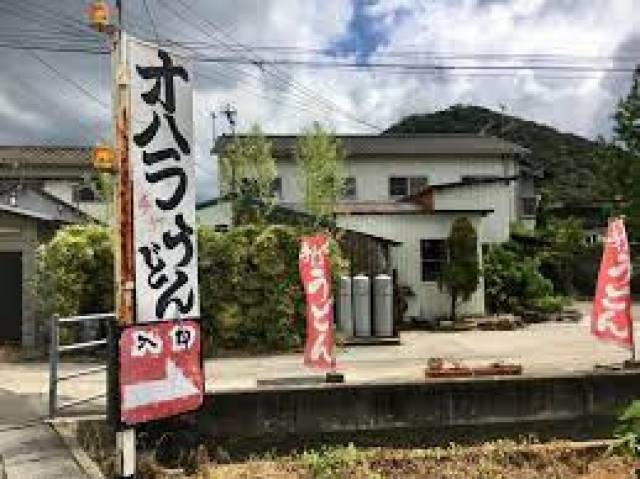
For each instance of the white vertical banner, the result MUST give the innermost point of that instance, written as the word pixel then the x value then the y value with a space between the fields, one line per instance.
pixel 163 174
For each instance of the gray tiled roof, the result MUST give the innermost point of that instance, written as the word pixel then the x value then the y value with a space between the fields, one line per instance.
pixel 406 144
pixel 45 155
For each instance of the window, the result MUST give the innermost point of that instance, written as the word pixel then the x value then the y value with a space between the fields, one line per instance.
pixel 433 255
pixel 398 186
pixel 350 190
pixel 84 193
pixel 528 206
pixel 406 185
pixel 276 188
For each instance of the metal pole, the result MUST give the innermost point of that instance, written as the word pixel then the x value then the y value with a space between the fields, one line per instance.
pixel 54 344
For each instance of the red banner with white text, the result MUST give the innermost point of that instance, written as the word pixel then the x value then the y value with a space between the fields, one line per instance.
pixel 611 317
pixel 315 271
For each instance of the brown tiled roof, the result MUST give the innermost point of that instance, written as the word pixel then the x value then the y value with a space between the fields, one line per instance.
pixel 65 156
pixel 406 144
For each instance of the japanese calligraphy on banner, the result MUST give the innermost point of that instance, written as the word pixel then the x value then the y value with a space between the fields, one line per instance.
pixel 163 174
pixel 611 317
pixel 315 271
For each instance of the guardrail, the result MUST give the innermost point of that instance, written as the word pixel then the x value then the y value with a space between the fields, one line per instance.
pixel 54 356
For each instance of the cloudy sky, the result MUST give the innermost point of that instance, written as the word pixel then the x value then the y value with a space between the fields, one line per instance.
pixel 53 97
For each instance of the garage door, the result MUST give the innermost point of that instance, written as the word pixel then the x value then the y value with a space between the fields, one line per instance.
pixel 11 297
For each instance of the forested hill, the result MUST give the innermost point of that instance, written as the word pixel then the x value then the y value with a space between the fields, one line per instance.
pixel 568 161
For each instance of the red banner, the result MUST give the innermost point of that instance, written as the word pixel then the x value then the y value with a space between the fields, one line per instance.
pixel 315 271
pixel 611 317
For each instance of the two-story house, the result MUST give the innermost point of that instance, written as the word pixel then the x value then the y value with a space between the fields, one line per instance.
pixel 410 188
pixel 41 188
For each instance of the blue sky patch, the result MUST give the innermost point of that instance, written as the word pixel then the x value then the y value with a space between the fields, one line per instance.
pixel 365 31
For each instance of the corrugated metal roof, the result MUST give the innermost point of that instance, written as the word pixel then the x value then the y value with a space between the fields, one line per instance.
pixel 406 144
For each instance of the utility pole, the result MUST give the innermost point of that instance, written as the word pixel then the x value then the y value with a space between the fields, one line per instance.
pixel 503 109
pixel 213 129
pixel 231 113
pixel 123 229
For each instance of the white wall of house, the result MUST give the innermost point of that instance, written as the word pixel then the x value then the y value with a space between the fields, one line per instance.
pixel 60 189
pixel 63 190
pixel 499 197
pixel 429 301
pixel 372 173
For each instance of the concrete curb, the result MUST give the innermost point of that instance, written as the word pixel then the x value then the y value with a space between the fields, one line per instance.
pixel 82 459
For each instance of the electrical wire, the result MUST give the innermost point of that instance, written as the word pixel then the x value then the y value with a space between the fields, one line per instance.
pixel 71 81
pixel 277 73
pixel 267 80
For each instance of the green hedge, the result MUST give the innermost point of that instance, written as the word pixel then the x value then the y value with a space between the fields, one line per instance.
pixel 75 272
pixel 250 291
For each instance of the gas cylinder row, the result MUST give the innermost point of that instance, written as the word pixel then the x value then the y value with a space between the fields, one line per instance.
pixel 355 315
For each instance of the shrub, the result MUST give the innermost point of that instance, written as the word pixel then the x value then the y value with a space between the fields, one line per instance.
pixel 250 292
pixel 628 430
pixel 513 282
pixel 548 304
pixel 250 288
pixel 75 272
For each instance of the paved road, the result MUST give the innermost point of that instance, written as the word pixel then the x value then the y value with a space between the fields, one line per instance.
pixel 542 349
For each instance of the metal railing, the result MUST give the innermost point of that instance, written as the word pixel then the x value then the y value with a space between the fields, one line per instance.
pixel 54 356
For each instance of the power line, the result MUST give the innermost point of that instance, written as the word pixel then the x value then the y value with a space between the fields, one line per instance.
pixel 295 106
pixel 226 45
pixel 413 66
pixel 43 16
pixel 71 81
pixel 461 70
pixel 257 61
pixel 400 67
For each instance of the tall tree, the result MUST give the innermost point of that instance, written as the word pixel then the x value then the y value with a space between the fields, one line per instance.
pixel 627 135
pixel 247 166
pixel 627 115
pixel 461 274
pixel 320 163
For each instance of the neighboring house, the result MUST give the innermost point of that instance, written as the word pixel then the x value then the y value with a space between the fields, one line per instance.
pixel 64 172
pixel 410 189
pixel 41 188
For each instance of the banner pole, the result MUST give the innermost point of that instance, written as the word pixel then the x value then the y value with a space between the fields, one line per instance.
pixel 631 328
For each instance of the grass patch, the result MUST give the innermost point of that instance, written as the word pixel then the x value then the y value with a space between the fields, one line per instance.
pixel 495 460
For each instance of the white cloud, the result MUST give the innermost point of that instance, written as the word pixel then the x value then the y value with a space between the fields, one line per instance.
pixel 517 27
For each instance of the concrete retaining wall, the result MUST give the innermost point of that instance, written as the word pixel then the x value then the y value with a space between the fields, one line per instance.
pixel 575 407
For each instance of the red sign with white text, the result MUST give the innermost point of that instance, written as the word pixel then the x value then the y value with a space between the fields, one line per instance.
pixel 611 317
pixel 160 370
pixel 315 271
